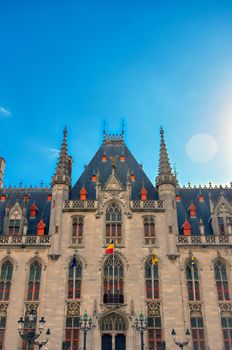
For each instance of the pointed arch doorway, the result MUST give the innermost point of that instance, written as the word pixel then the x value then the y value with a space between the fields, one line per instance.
pixel 113 331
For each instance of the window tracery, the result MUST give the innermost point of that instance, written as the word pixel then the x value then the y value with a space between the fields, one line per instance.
pixel 74 279
pixel 113 221
pixel 192 281
pixel 33 291
pixel 113 280
pixel 221 281
pixel 154 326
pixel 149 229
pixel 77 230
pixel 5 282
pixel 151 280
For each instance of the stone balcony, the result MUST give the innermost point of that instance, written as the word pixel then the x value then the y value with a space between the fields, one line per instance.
pixel 25 241
pixel 213 240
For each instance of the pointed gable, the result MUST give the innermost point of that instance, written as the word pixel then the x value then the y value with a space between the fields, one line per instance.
pixel 113 183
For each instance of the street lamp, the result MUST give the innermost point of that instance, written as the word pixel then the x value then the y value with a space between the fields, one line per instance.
pixel 31 335
pixel 183 344
pixel 87 326
pixel 140 326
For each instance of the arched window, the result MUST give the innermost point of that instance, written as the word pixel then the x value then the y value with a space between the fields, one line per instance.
pixel 221 281
pixel 113 280
pixel 74 279
pixel 226 322
pixel 34 282
pixel 154 326
pixel 192 281
pixel 197 330
pixel 72 327
pixel 113 322
pixel 113 223
pixel 77 230
pixel 5 283
pixel 151 280
pixel 149 229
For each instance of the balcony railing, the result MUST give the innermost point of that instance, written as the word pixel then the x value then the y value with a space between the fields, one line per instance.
pixel 25 240
pixel 82 205
pixel 147 205
pixel 204 240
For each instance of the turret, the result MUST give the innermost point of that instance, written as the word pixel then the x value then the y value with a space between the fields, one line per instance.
pixel 166 184
pixel 61 183
pixel 2 168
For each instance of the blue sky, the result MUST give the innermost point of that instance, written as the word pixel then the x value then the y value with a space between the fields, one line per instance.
pixel 152 63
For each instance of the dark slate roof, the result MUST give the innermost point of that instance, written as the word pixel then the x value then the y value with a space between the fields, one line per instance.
pixel 37 196
pixel 190 195
pixel 105 170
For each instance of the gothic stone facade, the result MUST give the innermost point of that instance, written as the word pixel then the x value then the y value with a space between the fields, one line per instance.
pixel 52 255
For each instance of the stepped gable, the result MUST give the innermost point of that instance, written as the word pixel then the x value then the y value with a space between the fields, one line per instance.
pixel 39 196
pixel 190 195
pixel 114 146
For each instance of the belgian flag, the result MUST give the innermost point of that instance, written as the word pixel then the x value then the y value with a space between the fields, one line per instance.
pixel 110 248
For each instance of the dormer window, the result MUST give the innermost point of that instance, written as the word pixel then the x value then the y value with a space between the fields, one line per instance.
pixel 178 198
pixel 3 197
pixel 94 178
pixel 143 194
pixel 192 211
pixel 41 228
pixel 33 211
pixel 104 158
pixel 14 226
pixel 132 177
pixel 49 197
pixel 186 227
pixel 201 198
pixel 26 197
pixel 83 194
pixel 122 158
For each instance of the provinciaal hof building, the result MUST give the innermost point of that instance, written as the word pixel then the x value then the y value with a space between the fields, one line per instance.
pixel 53 261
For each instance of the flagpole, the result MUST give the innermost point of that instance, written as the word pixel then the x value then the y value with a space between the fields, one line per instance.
pixel 113 274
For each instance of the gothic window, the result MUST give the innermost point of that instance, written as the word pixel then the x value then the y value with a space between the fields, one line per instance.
pixel 221 281
pixel 5 282
pixel 154 326
pixel 113 280
pixel 151 280
pixel 197 330
pixel 14 226
pixel 77 230
pixel 74 279
pixel 34 282
pixel 229 224
pixel 221 225
pixel 2 329
pixel 113 220
pixel 226 322
pixel 113 322
pixel 72 332
pixel 192 281
pixel 149 229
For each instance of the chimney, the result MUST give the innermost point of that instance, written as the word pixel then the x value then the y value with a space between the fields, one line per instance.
pixel 2 168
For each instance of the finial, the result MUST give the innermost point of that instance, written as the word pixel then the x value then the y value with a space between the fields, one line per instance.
pixel 162 133
pixel 104 129
pixel 123 125
pixel 65 131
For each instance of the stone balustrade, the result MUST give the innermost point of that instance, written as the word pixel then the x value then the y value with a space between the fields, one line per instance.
pixel 78 204
pixel 204 240
pixel 20 240
pixel 147 205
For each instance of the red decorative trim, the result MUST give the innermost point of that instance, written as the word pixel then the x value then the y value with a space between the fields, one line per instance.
pixel 192 211
pixel 186 228
pixel 41 228
pixel 143 194
pixel 33 210
pixel 83 194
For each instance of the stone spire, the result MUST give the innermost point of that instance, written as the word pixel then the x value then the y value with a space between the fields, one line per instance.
pixel 63 170
pixel 165 175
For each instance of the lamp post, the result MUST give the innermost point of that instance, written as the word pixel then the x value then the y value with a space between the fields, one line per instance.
pixel 140 326
pixel 183 344
pixel 85 326
pixel 31 335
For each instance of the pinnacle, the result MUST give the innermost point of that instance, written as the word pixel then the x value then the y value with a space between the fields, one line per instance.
pixel 62 167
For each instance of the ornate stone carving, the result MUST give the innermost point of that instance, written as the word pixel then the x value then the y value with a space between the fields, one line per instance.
pixel 73 308
pixel 225 307
pixel 195 307
pixel 153 308
pixel 31 307
pixel 3 307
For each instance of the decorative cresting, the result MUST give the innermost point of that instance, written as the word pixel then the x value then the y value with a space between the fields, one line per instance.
pixel 113 220
pixel 73 308
pixel 113 280
pixel 113 322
